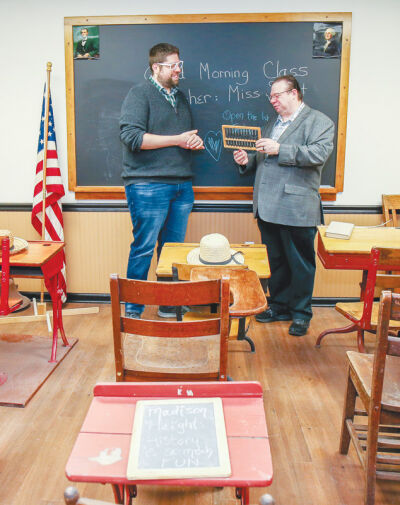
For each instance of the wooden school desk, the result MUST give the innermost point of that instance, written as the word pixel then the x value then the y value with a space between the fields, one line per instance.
pixel 255 257
pixel 248 296
pixel 100 453
pixel 353 254
pixel 42 260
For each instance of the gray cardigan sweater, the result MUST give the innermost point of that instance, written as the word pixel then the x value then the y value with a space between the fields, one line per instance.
pixel 145 110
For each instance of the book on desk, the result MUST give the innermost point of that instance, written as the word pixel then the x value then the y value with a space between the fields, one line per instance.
pixel 337 229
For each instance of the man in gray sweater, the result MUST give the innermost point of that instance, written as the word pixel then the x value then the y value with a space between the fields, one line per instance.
pixel 157 134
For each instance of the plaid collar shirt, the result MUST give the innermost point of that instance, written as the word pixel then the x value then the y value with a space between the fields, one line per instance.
pixel 170 97
pixel 281 125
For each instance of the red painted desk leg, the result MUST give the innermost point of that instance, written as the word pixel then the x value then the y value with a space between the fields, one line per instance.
pixel 131 493
pixel 59 315
pixel 119 493
pixel 345 329
pixel 350 327
pixel 5 276
pixel 243 494
pixel 55 293
pixel 360 340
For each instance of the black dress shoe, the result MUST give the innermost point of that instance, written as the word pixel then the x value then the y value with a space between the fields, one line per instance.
pixel 170 311
pixel 299 327
pixel 269 316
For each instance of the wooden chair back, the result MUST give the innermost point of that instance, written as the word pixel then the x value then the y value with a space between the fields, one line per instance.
pixel 389 309
pixel 390 207
pixel 127 331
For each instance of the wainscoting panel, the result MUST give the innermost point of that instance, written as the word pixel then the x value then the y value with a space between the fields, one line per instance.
pixel 97 244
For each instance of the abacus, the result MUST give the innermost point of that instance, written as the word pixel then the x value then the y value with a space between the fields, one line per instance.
pixel 240 137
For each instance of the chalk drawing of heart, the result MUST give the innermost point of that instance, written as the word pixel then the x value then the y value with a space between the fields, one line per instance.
pixel 213 144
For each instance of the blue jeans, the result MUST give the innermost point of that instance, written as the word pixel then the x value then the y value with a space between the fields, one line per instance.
pixel 159 213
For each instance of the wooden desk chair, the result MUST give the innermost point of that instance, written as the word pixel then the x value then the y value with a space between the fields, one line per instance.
pixel 182 272
pixel 154 350
pixel 71 497
pixel 375 379
pixel 364 314
pixel 390 207
pixel 247 297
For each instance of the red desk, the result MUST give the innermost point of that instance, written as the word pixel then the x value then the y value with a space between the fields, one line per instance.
pixel 43 260
pixel 106 432
pixel 353 254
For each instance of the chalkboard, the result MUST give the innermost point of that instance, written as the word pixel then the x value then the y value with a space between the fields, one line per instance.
pixel 180 438
pixel 230 62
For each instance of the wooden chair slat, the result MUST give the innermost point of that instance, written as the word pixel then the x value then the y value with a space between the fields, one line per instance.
pixel 171 329
pixel 145 293
pixel 387 281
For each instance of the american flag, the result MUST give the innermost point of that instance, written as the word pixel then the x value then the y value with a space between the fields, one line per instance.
pixel 54 188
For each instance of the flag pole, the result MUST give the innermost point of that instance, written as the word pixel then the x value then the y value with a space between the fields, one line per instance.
pixel 44 171
pixel 45 138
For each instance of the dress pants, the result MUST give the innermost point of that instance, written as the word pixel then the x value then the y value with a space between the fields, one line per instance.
pixel 291 257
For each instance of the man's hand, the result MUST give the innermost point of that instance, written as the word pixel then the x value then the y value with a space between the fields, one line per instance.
pixel 189 140
pixel 241 157
pixel 267 146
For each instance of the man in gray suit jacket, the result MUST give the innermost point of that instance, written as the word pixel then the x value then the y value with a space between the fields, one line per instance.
pixel 286 200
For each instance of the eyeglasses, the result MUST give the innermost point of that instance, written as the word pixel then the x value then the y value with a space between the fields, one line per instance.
pixel 277 95
pixel 173 66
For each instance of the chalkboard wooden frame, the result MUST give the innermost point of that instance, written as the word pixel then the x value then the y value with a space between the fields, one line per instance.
pixel 206 192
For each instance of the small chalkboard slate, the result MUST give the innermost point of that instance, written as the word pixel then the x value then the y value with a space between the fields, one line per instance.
pixel 180 438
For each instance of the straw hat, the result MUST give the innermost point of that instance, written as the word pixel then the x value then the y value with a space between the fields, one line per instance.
pixel 16 244
pixel 215 250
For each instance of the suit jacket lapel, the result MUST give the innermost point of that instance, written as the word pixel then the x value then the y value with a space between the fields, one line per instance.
pixel 267 129
pixel 296 123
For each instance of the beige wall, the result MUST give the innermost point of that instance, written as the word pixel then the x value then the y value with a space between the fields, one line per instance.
pixel 370 170
pixel 97 244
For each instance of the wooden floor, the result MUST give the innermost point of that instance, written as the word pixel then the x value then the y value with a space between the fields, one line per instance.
pixel 303 390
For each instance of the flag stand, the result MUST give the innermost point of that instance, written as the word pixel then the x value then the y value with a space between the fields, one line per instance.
pixel 41 312
pixel 41 306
